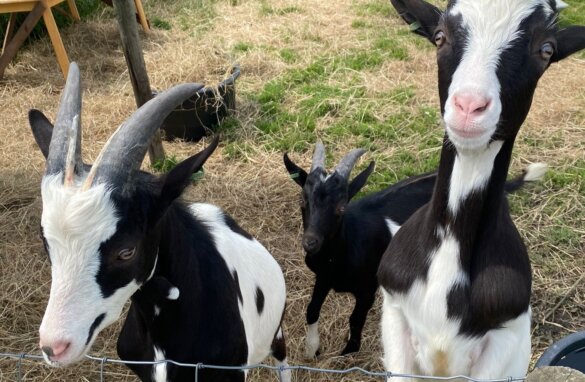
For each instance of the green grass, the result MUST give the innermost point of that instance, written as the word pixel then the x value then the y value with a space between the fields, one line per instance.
pixel 167 164
pixel 288 55
pixel 574 14
pixel 269 10
pixel 360 24
pixel 202 11
pixel 160 23
pixel 242 47
pixel 375 8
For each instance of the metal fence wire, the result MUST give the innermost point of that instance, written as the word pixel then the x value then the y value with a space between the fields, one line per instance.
pixel 382 375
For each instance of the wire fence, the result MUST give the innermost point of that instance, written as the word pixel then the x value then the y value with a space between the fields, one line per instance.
pixel 386 376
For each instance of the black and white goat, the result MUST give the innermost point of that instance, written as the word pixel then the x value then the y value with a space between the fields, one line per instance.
pixel 345 240
pixel 202 289
pixel 456 277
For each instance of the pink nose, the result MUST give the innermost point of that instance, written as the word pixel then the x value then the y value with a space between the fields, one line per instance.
pixel 468 104
pixel 56 350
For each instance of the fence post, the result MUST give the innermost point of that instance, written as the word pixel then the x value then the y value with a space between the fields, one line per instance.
pixel 197 372
pixel 102 363
pixel 20 358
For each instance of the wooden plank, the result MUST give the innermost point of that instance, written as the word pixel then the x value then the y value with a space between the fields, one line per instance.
pixel 60 51
pixel 27 26
pixel 21 6
pixel 11 6
pixel 125 13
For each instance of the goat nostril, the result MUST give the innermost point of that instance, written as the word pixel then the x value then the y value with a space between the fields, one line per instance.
pixel 56 350
pixel 458 106
pixel 47 350
pixel 310 243
pixel 481 109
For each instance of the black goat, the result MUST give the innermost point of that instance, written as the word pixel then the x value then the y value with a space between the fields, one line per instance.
pixel 345 240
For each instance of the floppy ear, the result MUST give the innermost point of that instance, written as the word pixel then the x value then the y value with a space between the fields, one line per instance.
pixel 296 173
pixel 422 17
pixel 42 130
pixel 179 177
pixel 569 41
pixel 358 182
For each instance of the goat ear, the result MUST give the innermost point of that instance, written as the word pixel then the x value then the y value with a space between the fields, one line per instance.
pixel 42 130
pixel 175 181
pixel 296 173
pixel 358 182
pixel 569 41
pixel 422 17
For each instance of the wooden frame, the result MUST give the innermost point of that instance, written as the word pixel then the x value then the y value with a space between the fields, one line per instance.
pixel 36 9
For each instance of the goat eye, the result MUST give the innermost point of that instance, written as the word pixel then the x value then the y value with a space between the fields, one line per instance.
pixel 547 50
pixel 440 38
pixel 126 254
pixel 302 202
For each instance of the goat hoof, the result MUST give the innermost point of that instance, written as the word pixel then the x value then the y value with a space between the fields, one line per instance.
pixel 350 348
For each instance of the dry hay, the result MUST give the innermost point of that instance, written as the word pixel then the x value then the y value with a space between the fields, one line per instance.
pixel 255 189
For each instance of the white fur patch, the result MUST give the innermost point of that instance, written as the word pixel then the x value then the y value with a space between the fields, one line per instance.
pixel 392 226
pixel 312 341
pixel 156 310
pixel 256 268
pixel 159 371
pixel 76 299
pixel 504 352
pixel 173 293
pixel 416 329
pixel 471 172
pixel 535 171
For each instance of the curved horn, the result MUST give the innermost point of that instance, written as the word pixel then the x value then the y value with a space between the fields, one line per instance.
pixel 123 153
pixel 318 157
pixel 65 148
pixel 348 161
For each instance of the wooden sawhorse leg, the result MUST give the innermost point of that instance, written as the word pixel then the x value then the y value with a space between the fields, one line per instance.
pixel 60 52
pixel 10 48
pixel 73 10
pixel 141 15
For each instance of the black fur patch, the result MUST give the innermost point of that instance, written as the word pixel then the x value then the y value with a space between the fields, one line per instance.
pixel 237 281
pixel 278 348
pixel 94 326
pixel 259 300
pixel 45 244
pixel 230 222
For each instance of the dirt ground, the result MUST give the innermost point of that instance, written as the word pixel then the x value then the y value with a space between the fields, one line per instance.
pixel 256 189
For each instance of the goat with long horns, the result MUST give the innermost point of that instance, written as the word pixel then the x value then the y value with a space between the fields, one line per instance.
pixel 197 281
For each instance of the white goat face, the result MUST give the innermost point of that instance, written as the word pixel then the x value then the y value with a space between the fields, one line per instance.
pixel 99 222
pixel 75 225
pixel 490 44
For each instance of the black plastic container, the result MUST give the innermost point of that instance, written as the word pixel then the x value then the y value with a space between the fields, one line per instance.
pixel 569 352
pixel 203 112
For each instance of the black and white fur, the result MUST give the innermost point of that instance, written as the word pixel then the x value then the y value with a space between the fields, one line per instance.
pixel 344 240
pixel 202 289
pixel 456 278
